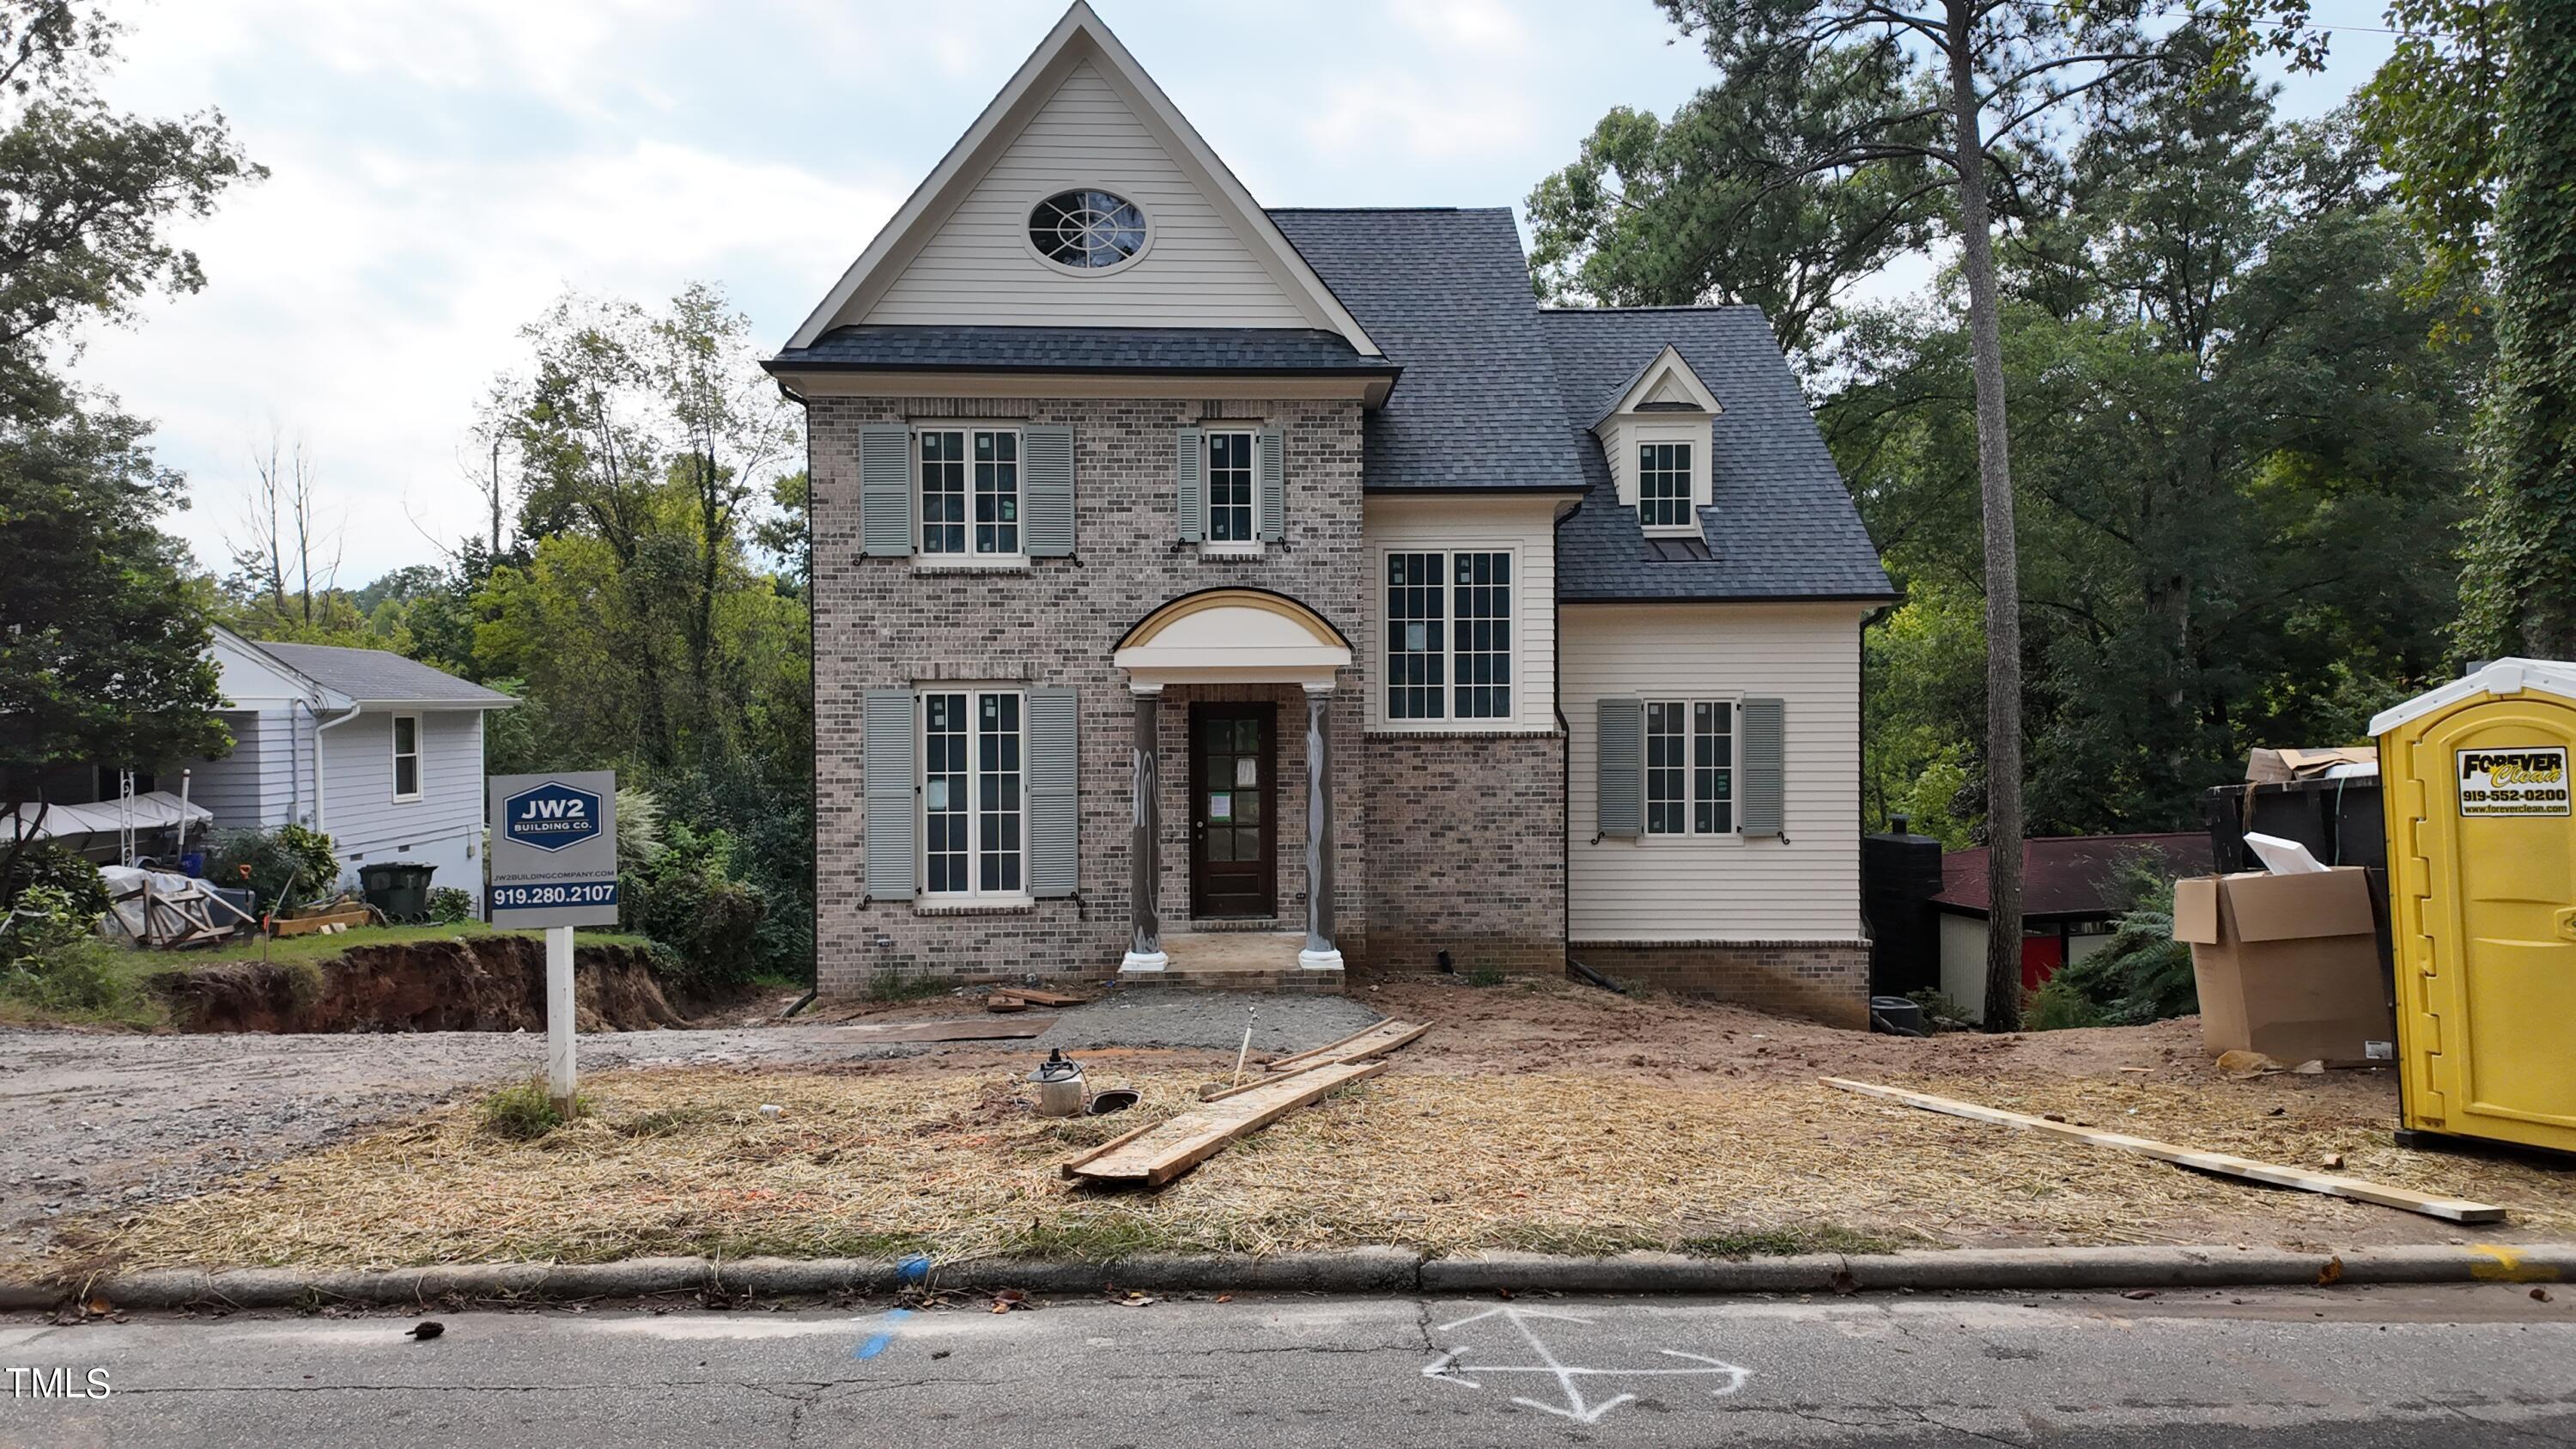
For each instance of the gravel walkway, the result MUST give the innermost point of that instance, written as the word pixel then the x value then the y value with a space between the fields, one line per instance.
pixel 98 1118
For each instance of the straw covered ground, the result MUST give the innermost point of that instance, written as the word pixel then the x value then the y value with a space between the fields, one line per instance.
pixel 1446 1152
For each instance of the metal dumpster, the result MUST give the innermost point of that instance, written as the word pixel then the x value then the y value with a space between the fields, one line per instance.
pixel 399 888
pixel 2482 902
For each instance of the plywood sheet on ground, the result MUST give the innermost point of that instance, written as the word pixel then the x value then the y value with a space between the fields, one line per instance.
pixel 1152 1156
pixel 981 1029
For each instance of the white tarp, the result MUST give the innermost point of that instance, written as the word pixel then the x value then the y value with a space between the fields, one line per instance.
pixel 156 907
pixel 152 810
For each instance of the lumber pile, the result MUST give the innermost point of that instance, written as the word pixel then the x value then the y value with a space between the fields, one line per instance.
pixel 1154 1155
pixel 2457 1210
pixel 1021 998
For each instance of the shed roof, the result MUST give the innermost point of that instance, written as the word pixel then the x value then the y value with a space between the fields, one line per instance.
pixel 2064 876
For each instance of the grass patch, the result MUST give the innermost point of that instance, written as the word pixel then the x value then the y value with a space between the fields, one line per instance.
pixel 893 986
pixel 1486 976
pixel 89 983
pixel 526 1111
pixel 1790 1242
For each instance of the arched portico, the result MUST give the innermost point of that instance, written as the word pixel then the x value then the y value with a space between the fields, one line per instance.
pixel 1231 636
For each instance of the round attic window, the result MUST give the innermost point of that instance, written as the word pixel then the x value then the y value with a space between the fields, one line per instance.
pixel 1087 231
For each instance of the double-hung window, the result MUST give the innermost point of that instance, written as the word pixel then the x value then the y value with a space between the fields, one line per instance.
pixel 1231 515
pixel 406 757
pixel 970 492
pixel 1690 767
pixel 1449 635
pixel 1664 485
pixel 974 835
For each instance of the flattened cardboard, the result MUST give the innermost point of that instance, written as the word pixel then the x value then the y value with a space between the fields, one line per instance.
pixel 2287 965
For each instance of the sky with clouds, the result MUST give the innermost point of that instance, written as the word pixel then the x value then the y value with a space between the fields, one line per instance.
pixel 442 169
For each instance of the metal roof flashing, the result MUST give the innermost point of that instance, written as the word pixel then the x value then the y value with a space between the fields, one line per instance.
pixel 2499 677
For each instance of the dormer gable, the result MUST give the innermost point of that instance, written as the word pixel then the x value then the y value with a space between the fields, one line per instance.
pixel 1656 437
pixel 1081 197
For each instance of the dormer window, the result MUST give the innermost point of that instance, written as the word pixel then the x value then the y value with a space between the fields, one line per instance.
pixel 1664 485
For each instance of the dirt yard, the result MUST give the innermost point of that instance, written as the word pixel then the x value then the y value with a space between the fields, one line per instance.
pixel 1543 1115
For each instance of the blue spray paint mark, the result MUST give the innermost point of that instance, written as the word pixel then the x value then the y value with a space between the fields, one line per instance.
pixel 877 1344
pixel 914 1268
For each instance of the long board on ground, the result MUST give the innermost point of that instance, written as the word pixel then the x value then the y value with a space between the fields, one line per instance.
pixel 985 1029
pixel 1152 1156
pixel 2458 1210
pixel 1360 1045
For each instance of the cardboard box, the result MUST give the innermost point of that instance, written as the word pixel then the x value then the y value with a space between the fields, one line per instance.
pixel 2279 767
pixel 2287 965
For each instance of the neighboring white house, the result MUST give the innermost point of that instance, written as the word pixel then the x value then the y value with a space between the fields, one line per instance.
pixel 382 753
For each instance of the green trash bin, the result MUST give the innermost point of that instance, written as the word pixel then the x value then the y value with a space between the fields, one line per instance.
pixel 399 888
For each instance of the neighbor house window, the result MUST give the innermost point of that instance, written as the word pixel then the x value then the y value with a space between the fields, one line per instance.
pixel 1664 485
pixel 970 491
pixel 1690 767
pixel 1229 486
pixel 1449 635
pixel 971 798
pixel 406 757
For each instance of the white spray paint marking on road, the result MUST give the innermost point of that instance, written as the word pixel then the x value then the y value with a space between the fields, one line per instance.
pixel 1448 1368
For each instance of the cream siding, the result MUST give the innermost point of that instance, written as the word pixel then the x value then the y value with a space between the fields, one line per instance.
pixel 978 266
pixel 1526 525
pixel 1805 886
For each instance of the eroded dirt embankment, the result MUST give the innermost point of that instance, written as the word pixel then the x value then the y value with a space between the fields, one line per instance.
pixel 478 983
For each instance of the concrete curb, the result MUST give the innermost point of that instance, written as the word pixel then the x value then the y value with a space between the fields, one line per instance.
pixel 1358 1270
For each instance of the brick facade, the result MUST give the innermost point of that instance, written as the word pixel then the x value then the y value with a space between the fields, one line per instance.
pixel 1825 980
pixel 884 623
pixel 1467 851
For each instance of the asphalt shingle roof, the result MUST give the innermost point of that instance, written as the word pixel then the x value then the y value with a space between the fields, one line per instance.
pixel 1445 293
pixel 1215 350
pixel 380 675
pixel 1781 524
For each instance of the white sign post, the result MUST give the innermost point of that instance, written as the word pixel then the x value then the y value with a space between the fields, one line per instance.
pixel 554 864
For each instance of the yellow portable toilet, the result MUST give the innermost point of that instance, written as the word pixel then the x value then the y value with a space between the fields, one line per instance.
pixel 2482 903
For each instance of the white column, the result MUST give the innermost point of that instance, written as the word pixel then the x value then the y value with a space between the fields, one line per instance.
pixel 559 1072
pixel 1144 865
pixel 1320 953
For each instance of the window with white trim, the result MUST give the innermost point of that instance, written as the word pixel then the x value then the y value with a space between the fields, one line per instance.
pixel 1449 635
pixel 970 492
pixel 1690 767
pixel 1230 503
pixel 406 757
pixel 974 827
pixel 1664 485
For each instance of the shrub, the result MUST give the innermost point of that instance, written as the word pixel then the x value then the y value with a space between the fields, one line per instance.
pixel 55 960
pixel 688 901
pixel 2143 974
pixel 449 905
pixel 51 865
pixel 525 1111
pixel 288 865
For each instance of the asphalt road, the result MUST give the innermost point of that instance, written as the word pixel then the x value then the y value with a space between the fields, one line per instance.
pixel 2351 1369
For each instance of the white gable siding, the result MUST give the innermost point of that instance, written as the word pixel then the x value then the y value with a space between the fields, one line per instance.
pixel 1527 525
pixel 247 789
pixel 1664 888
pixel 444 827
pixel 978 268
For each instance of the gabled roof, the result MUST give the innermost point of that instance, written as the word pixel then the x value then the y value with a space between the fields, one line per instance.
pixel 1665 382
pixel 380 676
pixel 2064 876
pixel 1781 525
pixel 1203 351
pixel 1446 293
pixel 1079 36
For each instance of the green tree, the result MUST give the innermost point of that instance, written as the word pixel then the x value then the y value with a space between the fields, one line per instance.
pixel 2519 593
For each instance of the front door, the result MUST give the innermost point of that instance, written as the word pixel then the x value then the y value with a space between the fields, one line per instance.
pixel 1234 754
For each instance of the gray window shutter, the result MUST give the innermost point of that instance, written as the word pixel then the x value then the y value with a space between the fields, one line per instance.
pixel 1188 502
pixel 885 490
pixel 1269 467
pixel 1046 490
pixel 1759 730
pixel 1054 822
pixel 1622 770
pixel 890 825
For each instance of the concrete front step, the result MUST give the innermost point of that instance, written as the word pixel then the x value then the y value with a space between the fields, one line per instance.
pixel 1294 978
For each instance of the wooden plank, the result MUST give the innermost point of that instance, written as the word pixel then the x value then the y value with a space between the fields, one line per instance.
pixel 2458 1210
pixel 1168 1149
pixel 303 925
pixel 1034 997
pixel 986 1029
pixel 1385 1036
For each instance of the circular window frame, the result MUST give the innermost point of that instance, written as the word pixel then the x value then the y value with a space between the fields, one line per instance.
pixel 1049 193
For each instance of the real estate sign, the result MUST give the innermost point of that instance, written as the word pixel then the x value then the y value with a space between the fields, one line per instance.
pixel 554 849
